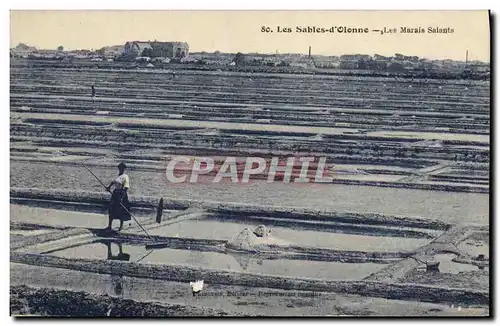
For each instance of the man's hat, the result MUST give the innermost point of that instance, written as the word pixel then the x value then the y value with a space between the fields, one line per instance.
pixel 122 166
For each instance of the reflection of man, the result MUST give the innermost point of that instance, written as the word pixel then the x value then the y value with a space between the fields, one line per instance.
pixel 118 289
pixel 120 256
pixel 117 280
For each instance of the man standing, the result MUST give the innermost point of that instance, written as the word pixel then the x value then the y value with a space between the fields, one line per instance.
pixel 119 208
pixel 93 93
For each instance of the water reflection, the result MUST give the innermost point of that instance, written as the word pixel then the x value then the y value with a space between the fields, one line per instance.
pixel 118 284
pixel 245 260
pixel 120 255
pixel 117 280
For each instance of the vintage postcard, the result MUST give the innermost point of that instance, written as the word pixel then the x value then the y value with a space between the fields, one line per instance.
pixel 250 163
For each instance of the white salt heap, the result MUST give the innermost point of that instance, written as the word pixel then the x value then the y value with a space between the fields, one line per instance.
pixel 261 231
pixel 249 241
pixel 245 240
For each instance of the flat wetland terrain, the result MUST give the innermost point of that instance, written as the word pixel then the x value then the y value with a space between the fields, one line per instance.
pixel 409 167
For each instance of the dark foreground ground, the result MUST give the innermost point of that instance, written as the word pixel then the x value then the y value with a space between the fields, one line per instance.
pixel 27 301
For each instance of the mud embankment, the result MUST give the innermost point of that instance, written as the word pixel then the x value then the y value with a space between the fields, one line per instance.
pixel 229 209
pixel 263 251
pixel 409 292
pixel 42 238
pixel 222 70
pixel 267 252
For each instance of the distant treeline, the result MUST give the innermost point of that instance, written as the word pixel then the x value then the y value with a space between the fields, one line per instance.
pixel 429 74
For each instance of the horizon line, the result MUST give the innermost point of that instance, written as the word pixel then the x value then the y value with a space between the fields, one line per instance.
pixel 262 53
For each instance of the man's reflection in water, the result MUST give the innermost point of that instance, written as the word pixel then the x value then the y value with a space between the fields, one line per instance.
pixel 117 279
pixel 120 256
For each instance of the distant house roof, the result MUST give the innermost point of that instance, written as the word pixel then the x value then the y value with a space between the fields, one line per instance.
pixel 137 46
pixel 173 43
pixel 189 59
pixel 21 47
pixel 113 49
pixel 141 46
pixel 354 57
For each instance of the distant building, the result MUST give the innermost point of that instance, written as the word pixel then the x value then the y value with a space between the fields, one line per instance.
pixel 378 64
pixel 302 63
pixel 354 61
pixel 189 60
pixel 135 48
pixel 143 59
pixel 395 67
pixel 481 69
pixel 379 57
pixel 80 54
pixel 111 51
pixel 156 49
pixel 170 49
pixel 22 50
pixel 400 57
pixel 348 65
pixel 355 57
pixel 271 61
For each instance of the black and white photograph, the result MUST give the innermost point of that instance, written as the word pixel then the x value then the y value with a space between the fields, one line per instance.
pixel 239 163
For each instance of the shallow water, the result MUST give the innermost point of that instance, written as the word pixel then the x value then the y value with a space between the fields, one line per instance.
pixel 448 266
pixel 237 263
pixel 450 207
pixel 475 247
pixel 56 217
pixel 222 230
pixel 29 233
pixel 213 229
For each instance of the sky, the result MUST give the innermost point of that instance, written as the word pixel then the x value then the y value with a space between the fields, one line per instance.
pixel 241 31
